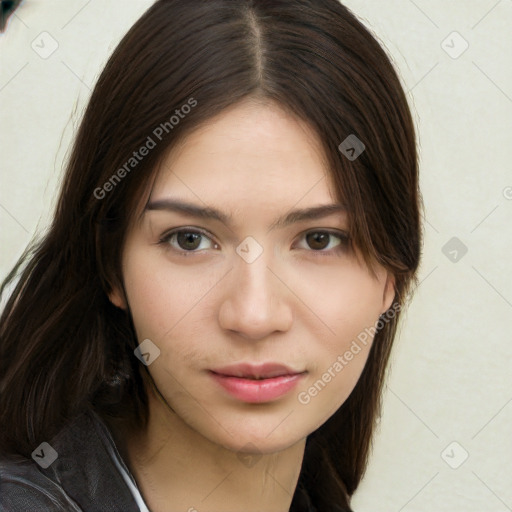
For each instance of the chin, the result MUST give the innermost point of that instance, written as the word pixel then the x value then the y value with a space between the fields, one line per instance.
pixel 264 441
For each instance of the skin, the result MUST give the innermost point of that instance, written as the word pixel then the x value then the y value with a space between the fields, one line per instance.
pixel 299 303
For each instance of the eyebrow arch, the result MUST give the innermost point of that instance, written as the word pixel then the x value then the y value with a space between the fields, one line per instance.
pixel 206 212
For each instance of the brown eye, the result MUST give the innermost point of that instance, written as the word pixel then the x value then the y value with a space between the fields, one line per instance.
pixel 326 242
pixel 188 240
pixel 318 240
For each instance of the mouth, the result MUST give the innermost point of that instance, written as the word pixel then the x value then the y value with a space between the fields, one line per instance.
pixel 256 371
pixel 257 383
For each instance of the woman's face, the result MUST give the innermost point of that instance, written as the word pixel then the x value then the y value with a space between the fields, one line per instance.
pixel 261 283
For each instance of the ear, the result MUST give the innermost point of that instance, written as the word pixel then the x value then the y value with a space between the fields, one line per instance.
pixel 389 292
pixel 117 297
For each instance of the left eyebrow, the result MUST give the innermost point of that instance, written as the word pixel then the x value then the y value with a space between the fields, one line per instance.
pixel 208 212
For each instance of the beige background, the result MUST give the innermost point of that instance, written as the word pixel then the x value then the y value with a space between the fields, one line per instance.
pixel 450 389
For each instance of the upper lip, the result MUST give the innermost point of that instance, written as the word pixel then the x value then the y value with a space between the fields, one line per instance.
pixel 261 371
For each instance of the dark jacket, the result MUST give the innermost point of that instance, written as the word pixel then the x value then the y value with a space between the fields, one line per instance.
pixel 86 476
pixel 83 478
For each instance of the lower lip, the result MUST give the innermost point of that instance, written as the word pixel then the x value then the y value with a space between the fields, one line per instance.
pixel 257 391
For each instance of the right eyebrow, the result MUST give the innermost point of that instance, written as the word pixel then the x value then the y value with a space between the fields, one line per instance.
pixel 208 212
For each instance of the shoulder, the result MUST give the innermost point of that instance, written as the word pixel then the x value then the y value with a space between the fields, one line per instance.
pixel 24 487
pixel 74 471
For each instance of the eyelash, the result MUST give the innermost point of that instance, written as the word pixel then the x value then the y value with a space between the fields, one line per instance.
pixel 341 235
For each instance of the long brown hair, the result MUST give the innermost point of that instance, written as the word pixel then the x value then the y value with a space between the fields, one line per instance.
pixel 65 347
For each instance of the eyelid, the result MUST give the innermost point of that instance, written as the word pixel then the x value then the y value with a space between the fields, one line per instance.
pixel 165 237
pixel 342 235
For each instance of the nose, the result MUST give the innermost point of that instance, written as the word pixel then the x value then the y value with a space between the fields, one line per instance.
pixel 256 302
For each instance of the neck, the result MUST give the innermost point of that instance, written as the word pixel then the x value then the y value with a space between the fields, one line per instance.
pixel 177 468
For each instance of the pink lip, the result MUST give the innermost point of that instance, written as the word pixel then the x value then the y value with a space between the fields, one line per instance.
pixel 239 381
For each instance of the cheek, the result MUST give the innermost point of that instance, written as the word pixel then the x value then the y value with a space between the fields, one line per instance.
pixel 163 300
pixel 334 375
pixel 350 306
pixel 174 312
pixel 346 301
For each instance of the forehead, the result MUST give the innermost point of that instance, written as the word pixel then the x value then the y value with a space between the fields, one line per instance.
pixel 251 153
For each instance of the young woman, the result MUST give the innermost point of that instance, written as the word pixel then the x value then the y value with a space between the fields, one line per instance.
pixel 206 324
